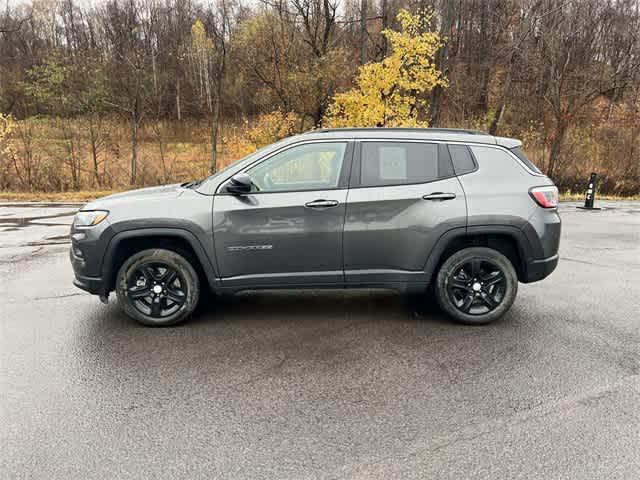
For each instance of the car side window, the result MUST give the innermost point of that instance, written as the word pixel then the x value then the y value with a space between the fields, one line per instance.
pixel 462 159
pixel 399 163
pixel 312 166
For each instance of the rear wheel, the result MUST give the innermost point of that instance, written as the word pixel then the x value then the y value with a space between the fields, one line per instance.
pixel 157 287
pixel 476 285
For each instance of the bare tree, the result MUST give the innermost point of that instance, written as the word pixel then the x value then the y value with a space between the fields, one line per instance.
pixel 575 65
pixel 564 74
pixel 208 57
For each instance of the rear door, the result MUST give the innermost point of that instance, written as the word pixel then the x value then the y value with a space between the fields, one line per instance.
pixel 403 196
pixel 288 230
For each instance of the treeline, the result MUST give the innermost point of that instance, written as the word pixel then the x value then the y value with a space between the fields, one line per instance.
pixel 133 92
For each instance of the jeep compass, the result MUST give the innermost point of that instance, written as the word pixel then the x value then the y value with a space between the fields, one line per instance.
pixel 458 213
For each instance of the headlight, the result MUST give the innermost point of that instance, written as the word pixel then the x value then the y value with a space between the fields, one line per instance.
pixel 88 219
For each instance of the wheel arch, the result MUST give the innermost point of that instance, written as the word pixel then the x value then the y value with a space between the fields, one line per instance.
pixel 124 244
pixel 508 240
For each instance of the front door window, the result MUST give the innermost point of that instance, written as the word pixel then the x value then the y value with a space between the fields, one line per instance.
pixel 312 166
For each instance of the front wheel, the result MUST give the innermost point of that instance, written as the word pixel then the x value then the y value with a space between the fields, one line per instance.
pixel 476 285
pixel 157 287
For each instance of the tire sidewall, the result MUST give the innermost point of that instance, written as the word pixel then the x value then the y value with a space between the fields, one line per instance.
pixel 463 256
pixel 172 259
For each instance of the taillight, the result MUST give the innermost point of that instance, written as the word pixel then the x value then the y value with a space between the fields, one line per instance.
pixel 546 197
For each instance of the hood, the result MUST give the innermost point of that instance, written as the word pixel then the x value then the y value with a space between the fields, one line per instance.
pixel 149 194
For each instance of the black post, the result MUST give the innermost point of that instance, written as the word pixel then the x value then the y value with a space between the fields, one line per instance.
pixel 590 196
pixel 591 191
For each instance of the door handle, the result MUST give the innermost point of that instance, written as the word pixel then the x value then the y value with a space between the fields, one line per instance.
pixel 322 204
pixel 439 196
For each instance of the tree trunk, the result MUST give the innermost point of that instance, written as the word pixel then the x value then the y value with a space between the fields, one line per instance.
pixel 134 147
pixel 215 123
pixel 74 163
pixel 178 108
pixel 214 145
pixel 436 104
pixel 94 153
pixel 556 146
pixel 158 133
pixel 217 106
pixel 483 95
pixel 364 34
pixel 385 24
pixel 502 105
pixel 497 118
pixel 442 60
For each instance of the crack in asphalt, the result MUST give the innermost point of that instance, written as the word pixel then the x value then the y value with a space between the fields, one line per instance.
pixel 595 264
pixel 60 296
pixel 522 417
pixel 44 242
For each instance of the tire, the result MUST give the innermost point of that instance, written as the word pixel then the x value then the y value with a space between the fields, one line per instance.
pixel 157 287
pixel 479 275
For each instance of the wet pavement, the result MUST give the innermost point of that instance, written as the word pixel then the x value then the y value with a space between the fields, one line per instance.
pixel 323 384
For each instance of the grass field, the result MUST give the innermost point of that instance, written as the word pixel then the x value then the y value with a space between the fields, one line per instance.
pixel 56 155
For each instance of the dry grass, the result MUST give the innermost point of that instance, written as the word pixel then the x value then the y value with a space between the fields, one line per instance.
pixel 54 155
pixel 575 196
pixel 80 196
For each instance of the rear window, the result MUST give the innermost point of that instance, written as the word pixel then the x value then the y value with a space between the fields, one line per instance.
pixel 523 158
pixel 398 163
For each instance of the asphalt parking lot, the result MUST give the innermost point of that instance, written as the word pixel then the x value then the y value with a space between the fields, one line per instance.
pixel 323 384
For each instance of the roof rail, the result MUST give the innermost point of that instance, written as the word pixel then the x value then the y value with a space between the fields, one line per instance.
pixel 399 129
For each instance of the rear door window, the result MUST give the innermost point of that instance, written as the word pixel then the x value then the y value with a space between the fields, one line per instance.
pixel 401 163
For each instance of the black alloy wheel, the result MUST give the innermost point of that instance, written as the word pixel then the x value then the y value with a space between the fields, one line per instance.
pixel 477 287
pixel 156 289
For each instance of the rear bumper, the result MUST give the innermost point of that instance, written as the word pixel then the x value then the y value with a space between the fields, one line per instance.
pixel 538 269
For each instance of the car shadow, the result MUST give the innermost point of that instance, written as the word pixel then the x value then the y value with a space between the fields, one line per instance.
pixel 288 307
pixel 294 311
pixel 311 305
pixel 236 339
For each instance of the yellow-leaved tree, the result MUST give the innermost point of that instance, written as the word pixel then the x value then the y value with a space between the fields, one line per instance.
pixel 7 125
pixel 391 93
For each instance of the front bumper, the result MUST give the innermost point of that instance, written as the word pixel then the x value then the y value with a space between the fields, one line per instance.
pixel 94 285
pixel 538 269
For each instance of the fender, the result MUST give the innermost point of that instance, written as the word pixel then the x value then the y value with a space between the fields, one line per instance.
pixel 524 247
pixel 189 237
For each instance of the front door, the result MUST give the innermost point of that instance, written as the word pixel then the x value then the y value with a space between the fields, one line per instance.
pixel 403 197
pixel 288 230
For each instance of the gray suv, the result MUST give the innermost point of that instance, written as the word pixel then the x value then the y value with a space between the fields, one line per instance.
pixel 457 213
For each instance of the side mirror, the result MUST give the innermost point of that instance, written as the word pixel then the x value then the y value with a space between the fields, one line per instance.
pixel 239 184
